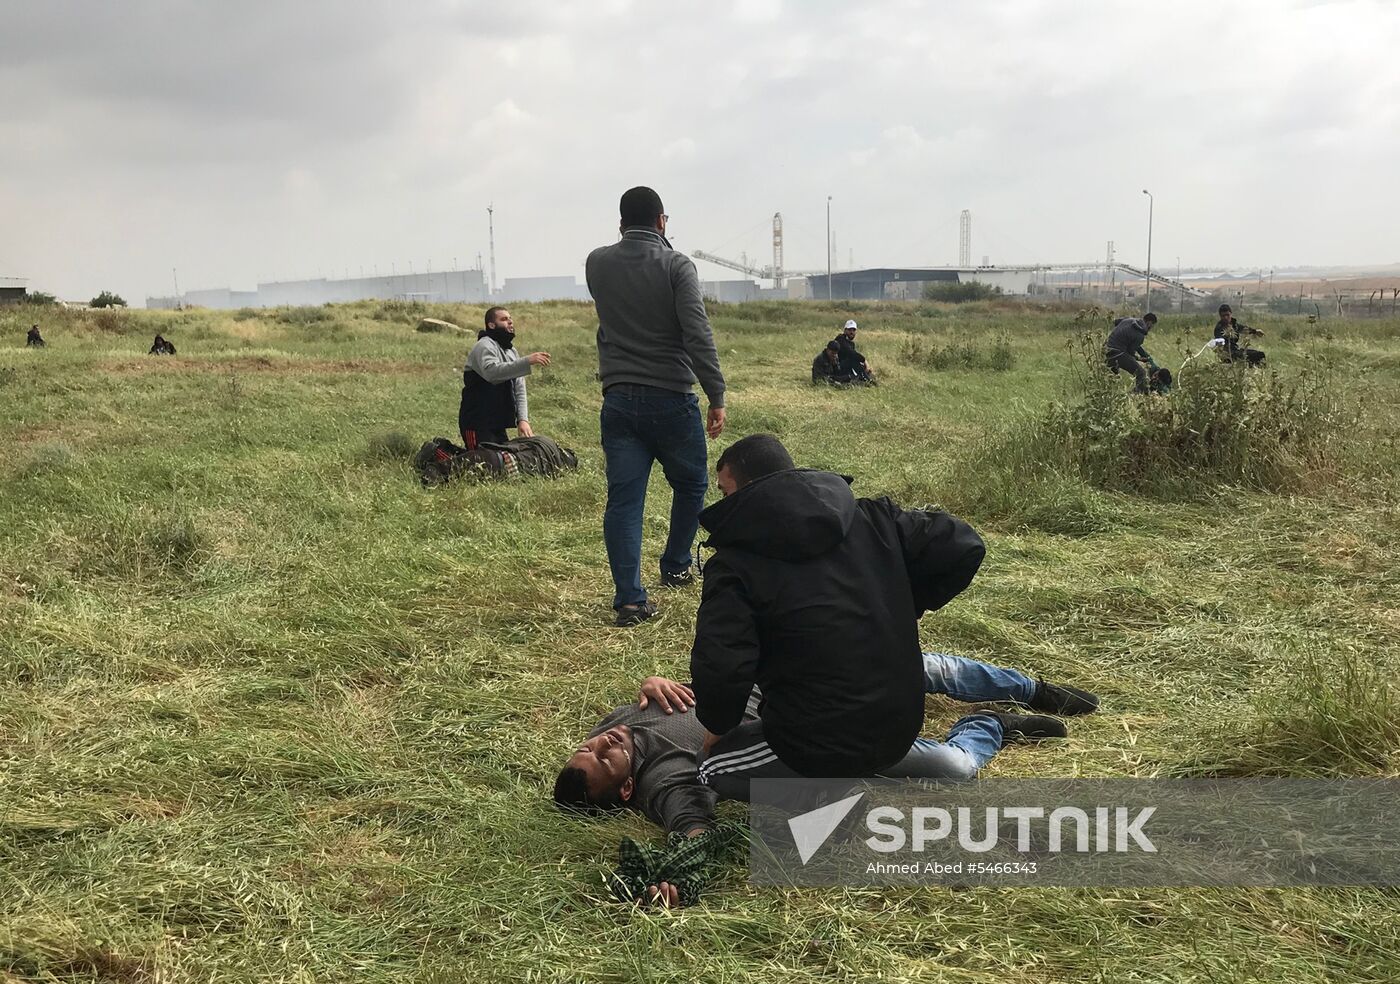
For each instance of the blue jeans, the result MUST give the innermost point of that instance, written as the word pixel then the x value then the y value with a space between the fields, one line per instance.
pixel 972 740
pixel 641 425
pixel 743 754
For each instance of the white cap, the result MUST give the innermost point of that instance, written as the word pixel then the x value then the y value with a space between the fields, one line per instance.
pixel 849 324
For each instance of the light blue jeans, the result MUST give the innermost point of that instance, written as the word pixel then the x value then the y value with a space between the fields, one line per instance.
pixel 972 740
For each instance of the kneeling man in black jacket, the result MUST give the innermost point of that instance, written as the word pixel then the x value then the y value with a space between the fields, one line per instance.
pixel 815 596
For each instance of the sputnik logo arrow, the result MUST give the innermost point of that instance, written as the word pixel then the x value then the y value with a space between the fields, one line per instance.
pixel 810 830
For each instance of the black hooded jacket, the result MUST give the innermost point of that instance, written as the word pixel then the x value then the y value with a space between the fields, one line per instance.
pixel 815 596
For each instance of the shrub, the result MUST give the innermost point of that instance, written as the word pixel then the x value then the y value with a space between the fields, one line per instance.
pixel 107 299
pixel 911 350
pixel 138 544
pixel 1001 358
pixel 962 354
pixel 1330 714
pixel 960 292
pixel 405 311
pixel 303 315
pixel 390 446
pixel 110 321
pixel 39 297
pixel 49 457
pixel 1222 425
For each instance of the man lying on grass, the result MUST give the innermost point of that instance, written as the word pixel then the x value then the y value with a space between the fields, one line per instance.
pixel 643 756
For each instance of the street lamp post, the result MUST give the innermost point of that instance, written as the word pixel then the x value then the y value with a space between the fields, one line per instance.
pixel 1150 203
pixel 828 247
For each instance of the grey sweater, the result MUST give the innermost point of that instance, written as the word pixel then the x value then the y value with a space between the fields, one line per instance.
pixel 652 326
pixel 669 791
pixel 497 365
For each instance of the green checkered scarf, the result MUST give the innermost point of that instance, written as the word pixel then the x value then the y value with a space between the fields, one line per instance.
pixel 686 862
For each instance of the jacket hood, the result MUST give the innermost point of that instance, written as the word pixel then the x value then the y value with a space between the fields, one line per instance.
pixel 789 515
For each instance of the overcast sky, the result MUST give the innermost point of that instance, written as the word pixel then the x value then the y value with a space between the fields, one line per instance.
pixel 255 141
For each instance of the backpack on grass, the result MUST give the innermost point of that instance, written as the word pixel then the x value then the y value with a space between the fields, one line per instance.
pixel 439 461
pixel 540 456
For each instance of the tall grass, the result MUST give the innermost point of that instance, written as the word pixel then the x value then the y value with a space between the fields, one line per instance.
pixel 267 711
pixel 1223 426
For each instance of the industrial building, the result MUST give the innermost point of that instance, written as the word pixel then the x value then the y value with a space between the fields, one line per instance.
pixel 449 285
pixel 907 283
pixel 541 289
pixel 13 290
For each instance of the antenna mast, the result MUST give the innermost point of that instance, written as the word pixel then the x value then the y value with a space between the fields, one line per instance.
pixel 491 227
pixel 777 249
pixel 965 239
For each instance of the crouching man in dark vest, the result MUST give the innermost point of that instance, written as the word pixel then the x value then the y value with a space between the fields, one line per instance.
pixel 493 384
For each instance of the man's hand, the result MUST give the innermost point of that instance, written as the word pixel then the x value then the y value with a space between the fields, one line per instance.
pixel 668 693
pixel 523 428
pixel 664 895
pixel 707 745
pixel 714 422
pixel 538 358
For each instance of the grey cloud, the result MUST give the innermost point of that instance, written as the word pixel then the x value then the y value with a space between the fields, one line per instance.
pixel 259 138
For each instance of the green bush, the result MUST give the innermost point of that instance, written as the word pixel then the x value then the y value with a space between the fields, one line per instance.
pixel 1329 714
pixel 1001 358
pixel 110 321
pixel 954 292
pixel 303 315
pixel 1222 425
pixel 406 311
pixel 390 446
pixel 962 354
pixel 107 299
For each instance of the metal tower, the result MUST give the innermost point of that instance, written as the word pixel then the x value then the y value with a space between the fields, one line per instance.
pixel 777 249
pixel 965 239
pixel 491 228
pixel 1112 270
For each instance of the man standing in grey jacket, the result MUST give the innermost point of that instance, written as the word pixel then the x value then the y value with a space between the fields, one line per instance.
pixel 654 343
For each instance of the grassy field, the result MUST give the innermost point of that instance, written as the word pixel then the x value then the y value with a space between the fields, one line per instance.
pixel 270 710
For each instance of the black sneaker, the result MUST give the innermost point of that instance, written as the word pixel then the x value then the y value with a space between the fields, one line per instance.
pixel 630 615
pixel 1029 727
pixel 682 580
pixel 1061 698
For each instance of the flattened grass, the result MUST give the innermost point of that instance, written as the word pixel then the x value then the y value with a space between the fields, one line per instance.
pixel 270 710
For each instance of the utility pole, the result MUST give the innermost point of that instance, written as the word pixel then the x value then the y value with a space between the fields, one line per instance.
pixel 965 238
pixel 176 278
pixel 1147 305
pixel 491 232
pixel 828 247
pixel 1180 287
pixel 777 249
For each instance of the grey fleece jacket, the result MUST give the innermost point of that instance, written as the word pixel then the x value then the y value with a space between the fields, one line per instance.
pixel 497 365
pixel 669 791
pixel 652 326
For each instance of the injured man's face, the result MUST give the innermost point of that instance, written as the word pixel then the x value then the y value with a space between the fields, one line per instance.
pixel 606 760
